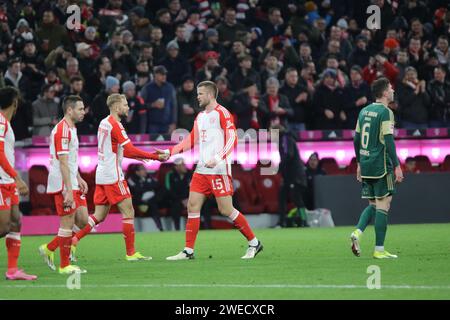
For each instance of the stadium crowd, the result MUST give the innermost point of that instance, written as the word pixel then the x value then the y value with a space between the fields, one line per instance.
pixel 301 64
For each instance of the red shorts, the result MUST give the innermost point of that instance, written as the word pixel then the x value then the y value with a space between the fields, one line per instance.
pixel 79 201
pixel 111 194
pixel 9 196
pixel 216 184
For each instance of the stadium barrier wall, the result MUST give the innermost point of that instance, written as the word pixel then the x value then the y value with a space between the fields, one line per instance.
pixel 420 198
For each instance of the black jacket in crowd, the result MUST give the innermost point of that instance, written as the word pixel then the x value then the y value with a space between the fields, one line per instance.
pixel 412 107
pixel 291 167
pixel 440 100
pixel 325 98
pixel 300 109
pixel 352 94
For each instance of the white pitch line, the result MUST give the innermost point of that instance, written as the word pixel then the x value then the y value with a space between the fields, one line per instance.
pixel 258 286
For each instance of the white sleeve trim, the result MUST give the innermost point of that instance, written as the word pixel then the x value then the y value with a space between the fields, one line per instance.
pixel 125 142
pixel 62 152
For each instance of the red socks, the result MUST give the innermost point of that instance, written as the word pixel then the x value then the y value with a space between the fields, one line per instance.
pixel 92 221
pixel 128 235
pixel 13 248
pixel 65 241
pixel 54 244
pixel 192 227
pixel 242 224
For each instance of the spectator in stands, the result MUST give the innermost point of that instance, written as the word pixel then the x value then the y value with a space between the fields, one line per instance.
pixel 71 70
pixel 390 49
pixel 232 60
pixel 413 101
pixel 272 68
pixel 211 69
pixel 243 72
pixel 100 110
pixel 211 43
pixel 439 91
pixel 177 185
pixel 379 66
pixel 176 65
pixel 84 58
pixel 280 109
pixel 32 68
pixel 416 53
pixel 357 96
pixel 328 102
pixel 401 64
pixel 164 21
pixel 229 27
pixel 426 71
pixel 157 44
pixel 442 50
pixel 160 99
pixel 313 168
pixel 292 170
pixel 45 112
pixel 143 188
pixel 184 46
pixel 410 166
pixel 137 115
pixel 249 108
pixel 50 34
pixel 76 88
pixel 188 107
pixel 96 80
pixel 345 47
pixel 15 78
pixel 225 95
pixel 299 99
pixel 274 26
pixel 359 55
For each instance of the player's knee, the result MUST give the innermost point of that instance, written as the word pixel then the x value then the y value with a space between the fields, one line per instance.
pixel 193 206
pixel 225 211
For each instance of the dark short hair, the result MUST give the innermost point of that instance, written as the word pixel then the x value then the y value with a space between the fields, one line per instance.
pixel 211 86
pixel 13 61
pixel 440 67
pixel 8 95
pixel 379 86
pixel 70 101
pixel 75 79
pixel 46 87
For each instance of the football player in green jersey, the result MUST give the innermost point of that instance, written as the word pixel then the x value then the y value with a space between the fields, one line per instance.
pixel 378 166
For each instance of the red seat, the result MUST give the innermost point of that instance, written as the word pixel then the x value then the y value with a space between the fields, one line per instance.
pixel 351 168
pixel 423 163
pixel 445 166
pixel 330 166
pixel 245 190
pixel 268 187
pixel 41 202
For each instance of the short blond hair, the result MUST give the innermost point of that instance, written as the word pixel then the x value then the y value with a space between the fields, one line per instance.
pixel 114 98
pixel 211 86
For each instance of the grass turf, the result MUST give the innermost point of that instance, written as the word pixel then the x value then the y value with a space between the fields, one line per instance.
pixel 295 264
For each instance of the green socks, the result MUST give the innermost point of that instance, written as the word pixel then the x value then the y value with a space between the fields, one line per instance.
pixel 366 216
pixel 380 227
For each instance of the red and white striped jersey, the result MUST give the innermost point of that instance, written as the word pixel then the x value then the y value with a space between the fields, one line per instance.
pixel 216 135
pixel 63 141
pixel 8 139
pixel 111 140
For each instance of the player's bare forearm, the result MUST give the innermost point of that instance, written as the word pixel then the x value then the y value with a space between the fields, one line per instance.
pixel 65 171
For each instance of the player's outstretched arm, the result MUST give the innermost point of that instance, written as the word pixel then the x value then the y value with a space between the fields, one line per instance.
pixel 186 144
pixel 130 151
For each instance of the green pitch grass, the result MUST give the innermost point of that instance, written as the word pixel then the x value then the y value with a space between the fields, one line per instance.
pixel 295 264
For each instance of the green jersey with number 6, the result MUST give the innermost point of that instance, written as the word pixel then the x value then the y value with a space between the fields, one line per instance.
pixel 374 122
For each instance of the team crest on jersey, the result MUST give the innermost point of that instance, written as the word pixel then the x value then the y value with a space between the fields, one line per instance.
pixel 2 129
pixel 65 143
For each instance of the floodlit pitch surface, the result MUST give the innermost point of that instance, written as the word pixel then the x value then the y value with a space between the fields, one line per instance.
pixel 299 263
